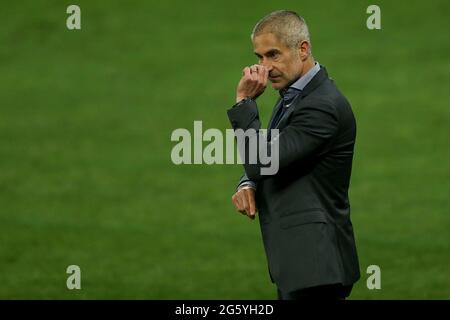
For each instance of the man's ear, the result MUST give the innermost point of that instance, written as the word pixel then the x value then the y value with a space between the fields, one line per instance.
pixel 304 49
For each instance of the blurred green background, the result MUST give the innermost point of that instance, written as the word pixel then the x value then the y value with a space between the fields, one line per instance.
pixel 86 117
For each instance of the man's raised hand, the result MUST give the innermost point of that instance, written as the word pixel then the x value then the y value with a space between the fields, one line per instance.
pixel 253 82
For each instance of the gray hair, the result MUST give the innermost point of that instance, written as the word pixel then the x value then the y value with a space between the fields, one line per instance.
pixel 286 25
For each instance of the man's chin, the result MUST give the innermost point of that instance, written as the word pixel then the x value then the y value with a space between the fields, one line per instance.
pixel 277 85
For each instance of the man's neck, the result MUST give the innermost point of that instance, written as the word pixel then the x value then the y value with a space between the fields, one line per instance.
pixel 309 63
pixel 312 68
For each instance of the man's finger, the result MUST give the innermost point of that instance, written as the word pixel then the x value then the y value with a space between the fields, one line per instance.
pixel 261 80
pixel 247 73
pixel 251 202
pixel 265 76
pixel 245 204
pixel 254 73
pixel 235 201
pixel 238 203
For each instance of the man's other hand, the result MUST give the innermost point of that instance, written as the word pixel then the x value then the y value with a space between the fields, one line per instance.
pixel 253 82
pixel 244 201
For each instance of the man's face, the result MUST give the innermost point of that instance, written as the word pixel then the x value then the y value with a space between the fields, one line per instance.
pixel 284 63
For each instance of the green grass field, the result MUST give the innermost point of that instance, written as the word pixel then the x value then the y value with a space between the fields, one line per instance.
pixel 85 122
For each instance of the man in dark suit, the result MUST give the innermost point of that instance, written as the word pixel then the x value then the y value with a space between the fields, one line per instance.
pixel 304 210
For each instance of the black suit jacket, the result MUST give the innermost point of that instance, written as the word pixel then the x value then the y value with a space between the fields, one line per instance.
pixel 304 210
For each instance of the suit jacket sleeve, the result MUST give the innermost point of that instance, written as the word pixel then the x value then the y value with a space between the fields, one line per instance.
pixel 309 130
pixel 244 180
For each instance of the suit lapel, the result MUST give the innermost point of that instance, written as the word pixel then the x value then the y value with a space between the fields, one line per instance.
pixel 321 76
pixel 274 112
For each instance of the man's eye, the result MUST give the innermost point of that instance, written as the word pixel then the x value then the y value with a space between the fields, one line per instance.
pixel 273 55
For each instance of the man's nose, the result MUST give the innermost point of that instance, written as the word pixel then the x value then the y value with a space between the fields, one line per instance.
pixel 267 65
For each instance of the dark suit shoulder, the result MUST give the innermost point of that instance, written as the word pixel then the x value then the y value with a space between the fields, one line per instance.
pixel 324 98
pixel 328 94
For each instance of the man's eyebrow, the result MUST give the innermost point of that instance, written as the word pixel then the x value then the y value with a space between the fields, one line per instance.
pixel 268 53
pixel 272 52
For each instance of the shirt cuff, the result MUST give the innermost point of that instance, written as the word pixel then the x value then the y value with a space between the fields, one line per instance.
pixel 247 184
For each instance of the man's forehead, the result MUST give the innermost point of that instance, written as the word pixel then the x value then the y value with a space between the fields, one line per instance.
pixel 265 42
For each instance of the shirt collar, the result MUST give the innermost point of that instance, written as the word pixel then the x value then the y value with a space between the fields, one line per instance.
pixel 301 83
